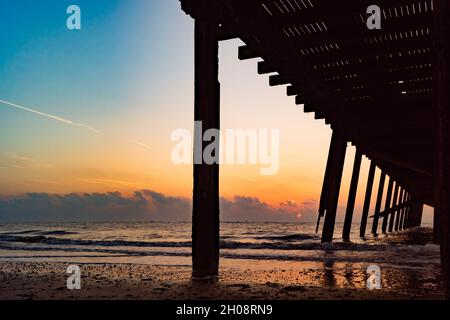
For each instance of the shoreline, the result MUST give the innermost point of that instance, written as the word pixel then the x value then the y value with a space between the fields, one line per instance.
pixel 47 281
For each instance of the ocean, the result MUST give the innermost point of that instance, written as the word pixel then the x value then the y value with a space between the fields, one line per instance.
pixel 243 244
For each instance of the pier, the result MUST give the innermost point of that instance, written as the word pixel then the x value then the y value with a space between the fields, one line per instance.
pixel 384 91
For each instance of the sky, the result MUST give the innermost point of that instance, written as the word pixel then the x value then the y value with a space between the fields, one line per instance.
pixel 86 118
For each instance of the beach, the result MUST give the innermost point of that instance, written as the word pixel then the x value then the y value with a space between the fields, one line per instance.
pixel 261 261
pixel 30 280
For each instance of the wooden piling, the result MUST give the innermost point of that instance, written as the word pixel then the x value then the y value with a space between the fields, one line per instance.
pixel 419 215
pixel 407 213
pixel 378 203
pixel 339 146
pixel 387 204
pixel 407 210
pixel 415 214
pixel 366 206
pixel 205 215
pixel 326 182
pixel 402 214
pixel 436 226
pixel 442 72
pixel 352 196
pixel 399 212
pixel 394 203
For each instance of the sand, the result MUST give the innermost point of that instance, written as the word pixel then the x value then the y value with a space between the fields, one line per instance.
pixel 47 280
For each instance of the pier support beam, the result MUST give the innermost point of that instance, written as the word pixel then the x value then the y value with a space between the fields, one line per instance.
pixel 399 212
pixel 442 46
pixel 410 217
pixel 378 203
pixel 387 204
pixel 419 215
pixel 404 213
pixel 436 226
pixel 366 206
pixel 407 214
pixel 352 196
pixel 338 148
pixel 205 215
pixel 394 203
pixel 326 182
pixel 415 214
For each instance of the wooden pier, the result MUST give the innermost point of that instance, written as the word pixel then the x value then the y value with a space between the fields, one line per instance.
pixel 385 91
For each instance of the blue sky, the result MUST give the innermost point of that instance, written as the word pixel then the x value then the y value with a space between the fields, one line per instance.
pixel 128 73
pixel 126 52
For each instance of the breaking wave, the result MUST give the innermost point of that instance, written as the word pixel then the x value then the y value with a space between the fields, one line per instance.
pixel 224 244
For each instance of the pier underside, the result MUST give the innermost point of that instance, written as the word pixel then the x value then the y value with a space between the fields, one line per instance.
pixel 383 90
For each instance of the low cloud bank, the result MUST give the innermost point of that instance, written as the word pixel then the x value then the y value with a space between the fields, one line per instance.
pixel 142 205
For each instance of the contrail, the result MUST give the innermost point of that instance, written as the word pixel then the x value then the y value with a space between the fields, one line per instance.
pixel 43 114
pixel 66 121
pixel 140 144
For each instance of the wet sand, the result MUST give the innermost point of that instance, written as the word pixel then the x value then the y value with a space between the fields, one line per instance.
pixel 47 280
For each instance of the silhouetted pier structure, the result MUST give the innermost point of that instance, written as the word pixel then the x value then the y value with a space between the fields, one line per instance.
pixel 385 90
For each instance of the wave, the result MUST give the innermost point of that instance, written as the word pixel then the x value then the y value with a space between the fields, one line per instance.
pixel 40 232
pixel 21 232
pixel 290 237
pixel 224 244
pixel 409 261
pixel 80 242
pixel 57 232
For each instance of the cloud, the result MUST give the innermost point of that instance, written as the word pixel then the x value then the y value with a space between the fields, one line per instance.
pixel 142 205
pixel 114 183
pixel 47 115
pixel 288 204
pixel 308 210
pixel 253 209
pixel 17 166
pixel 19 157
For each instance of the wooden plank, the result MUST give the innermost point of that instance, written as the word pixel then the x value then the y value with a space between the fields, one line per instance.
pixel 265 67
pixel 392 209
pixel 248 52
pixel 291 91
pixel 277 80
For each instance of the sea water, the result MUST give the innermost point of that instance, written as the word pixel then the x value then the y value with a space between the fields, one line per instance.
pixel 250 243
